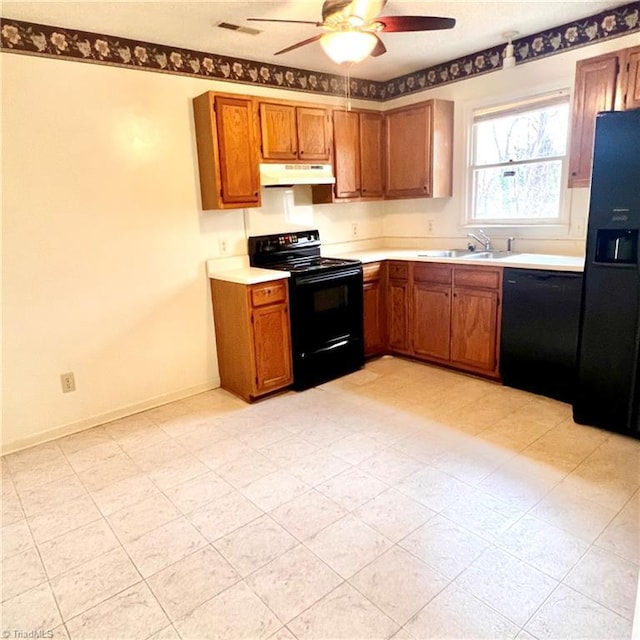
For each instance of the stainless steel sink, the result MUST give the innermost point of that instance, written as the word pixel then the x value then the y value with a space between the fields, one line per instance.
pixel 444 253
pixel 465 254
pixel 487 255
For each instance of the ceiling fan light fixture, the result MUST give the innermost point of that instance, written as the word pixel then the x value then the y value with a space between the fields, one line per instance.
pixel 348 46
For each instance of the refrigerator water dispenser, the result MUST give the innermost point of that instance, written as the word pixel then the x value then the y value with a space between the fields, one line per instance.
pixel 616 246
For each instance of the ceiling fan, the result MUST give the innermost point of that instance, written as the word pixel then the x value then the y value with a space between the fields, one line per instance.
pixel 350 28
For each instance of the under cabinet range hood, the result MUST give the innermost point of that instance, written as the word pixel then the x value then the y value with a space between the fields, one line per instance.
pixel 284 175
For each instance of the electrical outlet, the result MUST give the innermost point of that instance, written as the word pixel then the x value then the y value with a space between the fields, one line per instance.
pixel 430 227
pixel 68 382
pixel 223 247
pixel 354 229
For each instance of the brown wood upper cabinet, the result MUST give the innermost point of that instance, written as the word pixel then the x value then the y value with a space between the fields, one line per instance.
pixel 371 155
pixel 294 133
pixel 357 158
pixel 227 151
pixel 603 83
pixel 419 150
pixel 630 80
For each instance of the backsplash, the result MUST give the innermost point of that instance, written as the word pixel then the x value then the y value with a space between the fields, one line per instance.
pixel 58 42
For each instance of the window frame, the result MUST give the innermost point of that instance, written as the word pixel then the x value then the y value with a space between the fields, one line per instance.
pixel 501 106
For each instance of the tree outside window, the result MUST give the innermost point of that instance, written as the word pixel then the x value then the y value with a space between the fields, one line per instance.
pixel 518 162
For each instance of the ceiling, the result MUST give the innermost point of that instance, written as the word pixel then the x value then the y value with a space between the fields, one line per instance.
pixel 191 25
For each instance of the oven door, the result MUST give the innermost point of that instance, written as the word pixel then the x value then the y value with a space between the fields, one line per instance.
pixel 326 325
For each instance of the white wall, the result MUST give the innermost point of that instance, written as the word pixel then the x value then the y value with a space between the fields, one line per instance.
pixel 104 243
pixel 406 222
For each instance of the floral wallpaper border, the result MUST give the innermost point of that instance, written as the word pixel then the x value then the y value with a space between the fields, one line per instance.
pixel 68 44
pixel 602 26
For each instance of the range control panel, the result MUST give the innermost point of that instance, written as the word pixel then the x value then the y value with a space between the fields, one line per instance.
pixel 283 241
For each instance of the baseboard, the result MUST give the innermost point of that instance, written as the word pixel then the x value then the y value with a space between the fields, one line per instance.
pixel 109 416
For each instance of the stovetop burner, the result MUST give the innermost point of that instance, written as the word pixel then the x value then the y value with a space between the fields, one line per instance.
pixel 312 264
pixel 294 252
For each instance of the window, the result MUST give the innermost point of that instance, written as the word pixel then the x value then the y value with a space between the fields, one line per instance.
pixel 518 162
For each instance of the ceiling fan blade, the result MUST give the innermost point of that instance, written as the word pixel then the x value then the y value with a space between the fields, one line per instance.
pixel 299 44
pixel 414 23
pixel 316 24
pixel 379 49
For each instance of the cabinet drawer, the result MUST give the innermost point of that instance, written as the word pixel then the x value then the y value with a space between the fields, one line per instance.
pixel 479 277
pixel 268 293
pixel 431 273
pixel 399 270
pixel 371 271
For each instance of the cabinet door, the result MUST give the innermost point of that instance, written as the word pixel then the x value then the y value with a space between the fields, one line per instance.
pixel 373 319
pixel 239 176
pixel 313 133
pixel 278 129
pixel 371 155
pixel 346 146
pixel 398 316
pixel 474 325
pixel 431 320
pixel 631 82
pixel 272 347
pixel 594 91
pixel 408 150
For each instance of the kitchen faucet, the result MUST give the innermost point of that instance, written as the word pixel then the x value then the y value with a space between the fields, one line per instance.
pixel 484 240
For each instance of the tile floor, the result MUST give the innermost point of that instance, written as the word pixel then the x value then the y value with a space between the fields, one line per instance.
pixel 402 501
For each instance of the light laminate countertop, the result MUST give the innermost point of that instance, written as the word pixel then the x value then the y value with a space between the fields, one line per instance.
pixel 240 272
pixel 517 260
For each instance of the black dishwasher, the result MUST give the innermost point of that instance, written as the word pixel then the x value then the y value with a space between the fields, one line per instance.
pixel 540 317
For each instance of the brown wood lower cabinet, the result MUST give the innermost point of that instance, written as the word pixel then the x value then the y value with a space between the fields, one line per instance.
pixel 431 322
pixel 446 314
pixel 475 318
pixel 398 306
pixel 374 309
pixel 431 311
pixel 252 336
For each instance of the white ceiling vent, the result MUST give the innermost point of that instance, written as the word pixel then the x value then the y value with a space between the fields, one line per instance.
pixel 237 27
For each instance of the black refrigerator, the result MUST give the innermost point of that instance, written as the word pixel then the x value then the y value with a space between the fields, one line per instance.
pixel 608 377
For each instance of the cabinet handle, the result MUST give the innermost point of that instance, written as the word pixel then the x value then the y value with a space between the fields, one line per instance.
pixel 424 188
pixel 255 194
pixel 302 153
pixel 574 173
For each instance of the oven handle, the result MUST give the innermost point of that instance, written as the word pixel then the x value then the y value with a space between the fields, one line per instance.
pixel 327 277
pixel 331 347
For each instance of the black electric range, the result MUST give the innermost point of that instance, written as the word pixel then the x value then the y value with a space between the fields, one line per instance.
pixel 325 305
